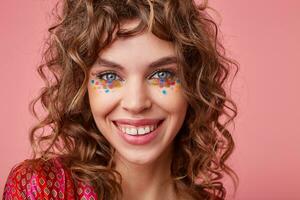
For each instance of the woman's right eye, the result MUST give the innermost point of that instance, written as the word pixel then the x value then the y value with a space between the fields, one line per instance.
pixel 109 76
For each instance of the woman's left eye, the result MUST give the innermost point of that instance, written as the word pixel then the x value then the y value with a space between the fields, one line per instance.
pixel 162 75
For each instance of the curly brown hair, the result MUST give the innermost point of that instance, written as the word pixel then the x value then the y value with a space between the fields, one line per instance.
pixel 81 30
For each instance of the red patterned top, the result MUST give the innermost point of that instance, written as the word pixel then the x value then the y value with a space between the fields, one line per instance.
pixel 45 180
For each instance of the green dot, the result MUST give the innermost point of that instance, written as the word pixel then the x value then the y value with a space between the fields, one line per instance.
pixel 164 92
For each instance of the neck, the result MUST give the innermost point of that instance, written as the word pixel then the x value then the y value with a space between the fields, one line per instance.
pixel 146 181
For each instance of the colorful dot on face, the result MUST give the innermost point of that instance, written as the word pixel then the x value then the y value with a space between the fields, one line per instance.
pixel 164 84
pixel 167 84
pixel 105 86
pixel 117 84
pixel 103 82
pixel 110 86
pixel 154 82
pixel 172 83
pixel 176 87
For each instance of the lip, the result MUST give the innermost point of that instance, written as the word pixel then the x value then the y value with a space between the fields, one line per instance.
pixel 139 139
pixel 138 122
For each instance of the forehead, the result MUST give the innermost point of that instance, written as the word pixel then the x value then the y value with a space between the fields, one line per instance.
pixel 140 49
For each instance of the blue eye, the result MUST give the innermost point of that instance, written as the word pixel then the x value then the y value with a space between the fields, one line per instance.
pixel 159 74
pixel 109 76
pixel 162 75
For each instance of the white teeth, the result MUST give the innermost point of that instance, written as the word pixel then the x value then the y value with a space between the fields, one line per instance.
pixel 133 131
pixel 147 129
pixel 130 131
pixel 152 128
pixel 137 130
pixel 141 131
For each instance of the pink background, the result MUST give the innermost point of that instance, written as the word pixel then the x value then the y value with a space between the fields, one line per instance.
pixel 262 35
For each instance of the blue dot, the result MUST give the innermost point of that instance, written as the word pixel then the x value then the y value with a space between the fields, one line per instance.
pixel 106 91
pixel 92 81
pixel 164 92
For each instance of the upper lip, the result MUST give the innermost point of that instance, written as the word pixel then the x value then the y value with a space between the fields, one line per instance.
pixel 138 122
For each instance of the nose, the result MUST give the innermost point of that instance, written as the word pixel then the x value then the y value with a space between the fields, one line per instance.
pixel 135 97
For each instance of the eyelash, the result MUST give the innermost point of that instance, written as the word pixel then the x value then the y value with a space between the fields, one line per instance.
pixel 171 74
pixel 102 74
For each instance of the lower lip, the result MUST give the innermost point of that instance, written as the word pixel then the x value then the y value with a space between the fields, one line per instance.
pixel 140 139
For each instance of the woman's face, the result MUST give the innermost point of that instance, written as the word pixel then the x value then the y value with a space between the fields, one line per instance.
pixel 136 98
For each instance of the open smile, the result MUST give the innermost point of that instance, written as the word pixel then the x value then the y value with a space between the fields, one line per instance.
pixel 138 132
pixel 137 127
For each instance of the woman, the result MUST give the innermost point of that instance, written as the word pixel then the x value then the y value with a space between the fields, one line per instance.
pixel 134 97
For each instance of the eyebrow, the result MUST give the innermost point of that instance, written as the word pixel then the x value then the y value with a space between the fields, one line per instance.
pixel 157 63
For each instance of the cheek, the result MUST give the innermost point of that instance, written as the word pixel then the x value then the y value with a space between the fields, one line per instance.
pixel 102 100
pixel 169 95
pixel 166 87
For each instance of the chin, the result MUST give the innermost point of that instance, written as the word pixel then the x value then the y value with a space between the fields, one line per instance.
pixel 138 157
